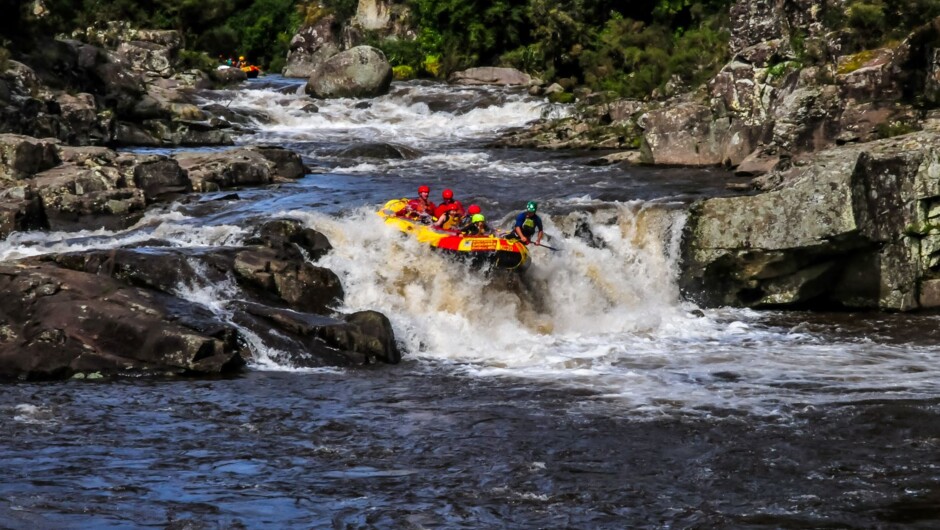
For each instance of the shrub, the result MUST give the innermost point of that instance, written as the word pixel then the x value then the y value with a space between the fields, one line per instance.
pixel 894 128
pixel 781 69
pixel 561 97
pixel 4 59
pixel 403 72
pixel 867 16
pixel 198 60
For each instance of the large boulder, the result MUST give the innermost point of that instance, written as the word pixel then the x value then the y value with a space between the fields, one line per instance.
pixel 147 57
pixel 283 299
pixel 359 72
pixel 856 227
pixel 23 156
pixel 247 166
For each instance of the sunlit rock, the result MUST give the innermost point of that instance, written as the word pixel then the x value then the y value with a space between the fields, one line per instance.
pixel 359 72
pixel 852 228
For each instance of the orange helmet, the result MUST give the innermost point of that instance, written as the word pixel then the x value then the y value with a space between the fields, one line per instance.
pixel 423 189
pixel 473 209
pixel 447 194
pixel 241 57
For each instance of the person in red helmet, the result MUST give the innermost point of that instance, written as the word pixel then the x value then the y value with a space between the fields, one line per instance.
pixel 467 220
pixel 421 208
pixel 449 212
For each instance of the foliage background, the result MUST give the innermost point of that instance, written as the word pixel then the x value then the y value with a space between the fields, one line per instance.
pixel 628 47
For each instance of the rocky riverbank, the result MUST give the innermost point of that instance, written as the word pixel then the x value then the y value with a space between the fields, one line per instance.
pixel 118 311
pixel 843 151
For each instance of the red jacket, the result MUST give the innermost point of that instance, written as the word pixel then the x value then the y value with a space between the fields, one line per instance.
pixel 447 206
pixel 418 206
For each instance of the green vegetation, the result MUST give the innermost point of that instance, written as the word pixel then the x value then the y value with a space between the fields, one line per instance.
pixel 260 30
pixel 855 61
pixel 871 23
pixel 894 128
pixel 604 44
pixel 403 72
pixel 639 49
pixel 781 69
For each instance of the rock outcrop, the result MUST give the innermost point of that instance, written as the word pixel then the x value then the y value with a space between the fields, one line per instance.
pixel 857 227
pixel 57 323
pixel 122 311
pixel 311 46
pixel 490 75
pixel 44 185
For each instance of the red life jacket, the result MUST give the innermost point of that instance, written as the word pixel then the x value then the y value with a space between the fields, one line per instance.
pixel 420 206
pixel 452 206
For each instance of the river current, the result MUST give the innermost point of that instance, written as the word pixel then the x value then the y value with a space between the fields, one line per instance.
pixel 586 393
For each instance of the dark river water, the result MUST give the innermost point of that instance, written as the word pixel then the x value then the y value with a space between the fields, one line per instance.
pixel 587 394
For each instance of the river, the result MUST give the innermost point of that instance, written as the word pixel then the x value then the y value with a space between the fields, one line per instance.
pixel 586 393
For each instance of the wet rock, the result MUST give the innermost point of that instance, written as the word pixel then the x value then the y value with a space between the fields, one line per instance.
pixel 359 72
pixel 60 322
pixel 287 163
pixel 631 157
pixel 302 286
pixel 316 340
pixel 490 75
pixel 159 177
pixel 240 167
pixel 237 116
pixel 286 235
pixel 285 300
pixel 228 75
pixel 380 150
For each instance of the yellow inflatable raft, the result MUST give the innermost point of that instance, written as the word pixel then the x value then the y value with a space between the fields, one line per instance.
pixel 502 253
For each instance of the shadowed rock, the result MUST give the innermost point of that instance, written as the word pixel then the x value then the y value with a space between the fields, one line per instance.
pixel 856 227
pixel 282 298
pixel 58 322
pixel 381 150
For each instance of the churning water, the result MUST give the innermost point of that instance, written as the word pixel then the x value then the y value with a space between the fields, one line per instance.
pixel 585 393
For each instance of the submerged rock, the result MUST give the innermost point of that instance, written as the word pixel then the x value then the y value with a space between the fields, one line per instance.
pixel 381 150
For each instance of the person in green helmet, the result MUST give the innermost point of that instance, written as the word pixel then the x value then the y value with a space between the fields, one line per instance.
pixel 476 227
pixel 527 223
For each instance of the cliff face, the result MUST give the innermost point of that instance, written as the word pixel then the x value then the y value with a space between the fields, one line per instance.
pixel 849 218
pixel 858 226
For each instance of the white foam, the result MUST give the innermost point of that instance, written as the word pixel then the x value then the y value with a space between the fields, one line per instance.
pixel 395 117
pixel 610 320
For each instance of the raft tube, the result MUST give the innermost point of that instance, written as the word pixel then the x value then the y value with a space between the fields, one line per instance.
pixel 502 253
